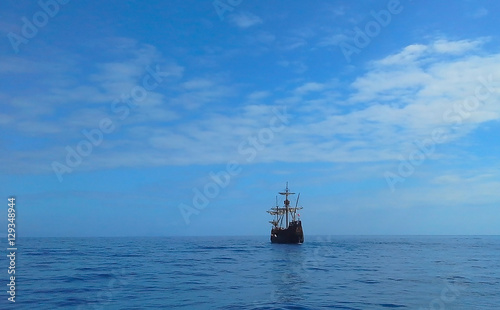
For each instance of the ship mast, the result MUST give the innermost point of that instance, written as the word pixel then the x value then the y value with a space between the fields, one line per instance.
pixel 287 202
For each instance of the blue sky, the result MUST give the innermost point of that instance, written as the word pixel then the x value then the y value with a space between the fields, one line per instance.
pixel 134 118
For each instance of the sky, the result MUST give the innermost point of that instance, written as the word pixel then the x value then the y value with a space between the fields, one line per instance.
pixel 168 118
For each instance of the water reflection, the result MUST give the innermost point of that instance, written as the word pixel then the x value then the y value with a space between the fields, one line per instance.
pixel 288 277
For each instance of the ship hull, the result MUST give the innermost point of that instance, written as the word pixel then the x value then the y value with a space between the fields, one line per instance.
pixel 293 234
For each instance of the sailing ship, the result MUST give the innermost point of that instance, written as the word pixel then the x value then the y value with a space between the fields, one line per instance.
pixel 291 230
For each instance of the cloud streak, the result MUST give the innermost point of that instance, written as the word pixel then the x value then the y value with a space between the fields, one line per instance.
pixel 376 117
pixel 245 20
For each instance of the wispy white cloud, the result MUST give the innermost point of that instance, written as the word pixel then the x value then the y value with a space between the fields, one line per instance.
pixel 457 47
pixel 333 40
pixel 406 57
pixel 453 178
pixel 17 65
pixel 376 117
pixel 309 87
pixel 200 91
pixel 293 43
pixel 480 12
pixel 389 107
pixel 60 105
pixel 338 11
pixel 295 65
pixel 245 19
pixel 415 53
pixel 257 95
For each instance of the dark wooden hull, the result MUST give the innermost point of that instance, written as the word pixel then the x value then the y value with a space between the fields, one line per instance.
pixel 292 234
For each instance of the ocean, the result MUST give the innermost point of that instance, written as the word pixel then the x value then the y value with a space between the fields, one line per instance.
pixel 326 272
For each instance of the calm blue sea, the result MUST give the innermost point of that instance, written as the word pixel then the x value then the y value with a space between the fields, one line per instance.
pixel 251 273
